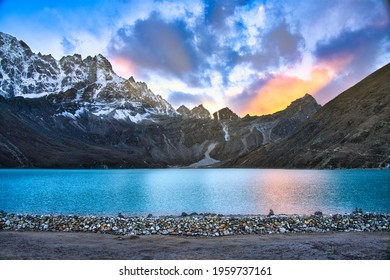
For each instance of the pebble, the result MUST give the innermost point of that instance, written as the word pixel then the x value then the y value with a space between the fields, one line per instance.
pixel 208 225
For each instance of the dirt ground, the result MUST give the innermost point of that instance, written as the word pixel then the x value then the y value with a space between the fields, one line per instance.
pixel 89 246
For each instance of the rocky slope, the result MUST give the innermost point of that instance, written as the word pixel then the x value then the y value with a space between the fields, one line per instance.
pixel 78 113
pixel 351 131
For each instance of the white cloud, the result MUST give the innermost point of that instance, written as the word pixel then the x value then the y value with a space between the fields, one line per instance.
pixel 254 20
pixel 301 70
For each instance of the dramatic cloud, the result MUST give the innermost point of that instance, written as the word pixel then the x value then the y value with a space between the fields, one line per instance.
pixel 158 46
pixel 254 56
pixel 279 47
pixel 288 88
pixel 364 47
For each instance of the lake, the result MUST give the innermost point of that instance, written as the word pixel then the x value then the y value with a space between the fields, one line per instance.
pixel 173 191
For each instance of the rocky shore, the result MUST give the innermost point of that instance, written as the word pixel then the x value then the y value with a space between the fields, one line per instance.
pixel 207 225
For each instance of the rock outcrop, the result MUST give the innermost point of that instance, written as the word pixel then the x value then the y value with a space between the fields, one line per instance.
pixel 225 114
pixel 200 112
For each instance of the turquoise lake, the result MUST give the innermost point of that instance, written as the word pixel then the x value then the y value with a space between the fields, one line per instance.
pixel 173 191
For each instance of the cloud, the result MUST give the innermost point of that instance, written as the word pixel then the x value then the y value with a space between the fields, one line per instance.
pixel 216 13
pixel 357 41
pixel 158 46
pixel 68 46
pixel 240 102
pixel 280 90
pixel 280 47
pixel 227 53
pixel 365 47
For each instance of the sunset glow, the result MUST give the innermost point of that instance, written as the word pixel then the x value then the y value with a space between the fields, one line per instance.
pixel 123 67
pixel 289 88
pixel 254 56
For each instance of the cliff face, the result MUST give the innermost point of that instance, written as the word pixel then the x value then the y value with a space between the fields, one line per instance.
pixel 351 131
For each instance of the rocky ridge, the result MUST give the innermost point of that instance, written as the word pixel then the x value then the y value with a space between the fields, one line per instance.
pixel 82 86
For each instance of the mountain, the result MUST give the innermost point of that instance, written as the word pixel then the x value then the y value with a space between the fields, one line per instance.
pixel 198 112
pixel 351 131
pixel 81 86
pixel 184 111
pixel 77 113
pixel 225 114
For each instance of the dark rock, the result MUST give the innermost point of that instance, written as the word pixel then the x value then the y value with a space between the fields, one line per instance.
pixel 184 111
pixel 200 112
pixel 225 114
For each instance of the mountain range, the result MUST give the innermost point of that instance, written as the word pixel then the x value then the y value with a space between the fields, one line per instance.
pixel 350 131
pixel 77 113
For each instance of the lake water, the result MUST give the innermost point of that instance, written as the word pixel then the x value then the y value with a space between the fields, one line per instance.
pixel 173 191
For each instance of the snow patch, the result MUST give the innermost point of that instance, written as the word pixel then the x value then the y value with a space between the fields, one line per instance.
pixel 126 115
pixel 103 111
pixel 66 114
pixel 33 95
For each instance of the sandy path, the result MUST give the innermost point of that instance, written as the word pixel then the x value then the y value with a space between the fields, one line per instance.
pixel 52 245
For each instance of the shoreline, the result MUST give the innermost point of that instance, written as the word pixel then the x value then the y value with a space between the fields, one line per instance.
pixel 363 236
pixel 198 225
pixel 300 246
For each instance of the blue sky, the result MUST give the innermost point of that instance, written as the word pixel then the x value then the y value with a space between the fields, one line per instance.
pixel 253 56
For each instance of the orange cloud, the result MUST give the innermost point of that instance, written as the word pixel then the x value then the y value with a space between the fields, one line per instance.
pixel 123 67
pixel 281 90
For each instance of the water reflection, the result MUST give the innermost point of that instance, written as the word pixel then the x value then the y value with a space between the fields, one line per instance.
pixel 173 191
pixel 283 190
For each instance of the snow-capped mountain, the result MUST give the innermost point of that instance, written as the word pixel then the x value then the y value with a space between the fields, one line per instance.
pixel 78 113
pixel 82 85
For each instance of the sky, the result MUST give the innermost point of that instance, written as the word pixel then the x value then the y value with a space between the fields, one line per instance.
pixel 254 57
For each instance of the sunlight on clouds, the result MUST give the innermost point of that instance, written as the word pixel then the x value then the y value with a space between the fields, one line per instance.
pixel 281 90
pixel 123 67
pixel 239 78
pixel 301 70
pixel 262 53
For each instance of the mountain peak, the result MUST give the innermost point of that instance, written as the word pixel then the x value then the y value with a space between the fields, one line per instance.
pixel 225 114
pixel 350 131
pixel 184 111
pixel 90 82
pixel 200 112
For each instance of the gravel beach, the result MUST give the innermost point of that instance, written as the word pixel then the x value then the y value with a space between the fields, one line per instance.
pixel 204 225
pixel 197 236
